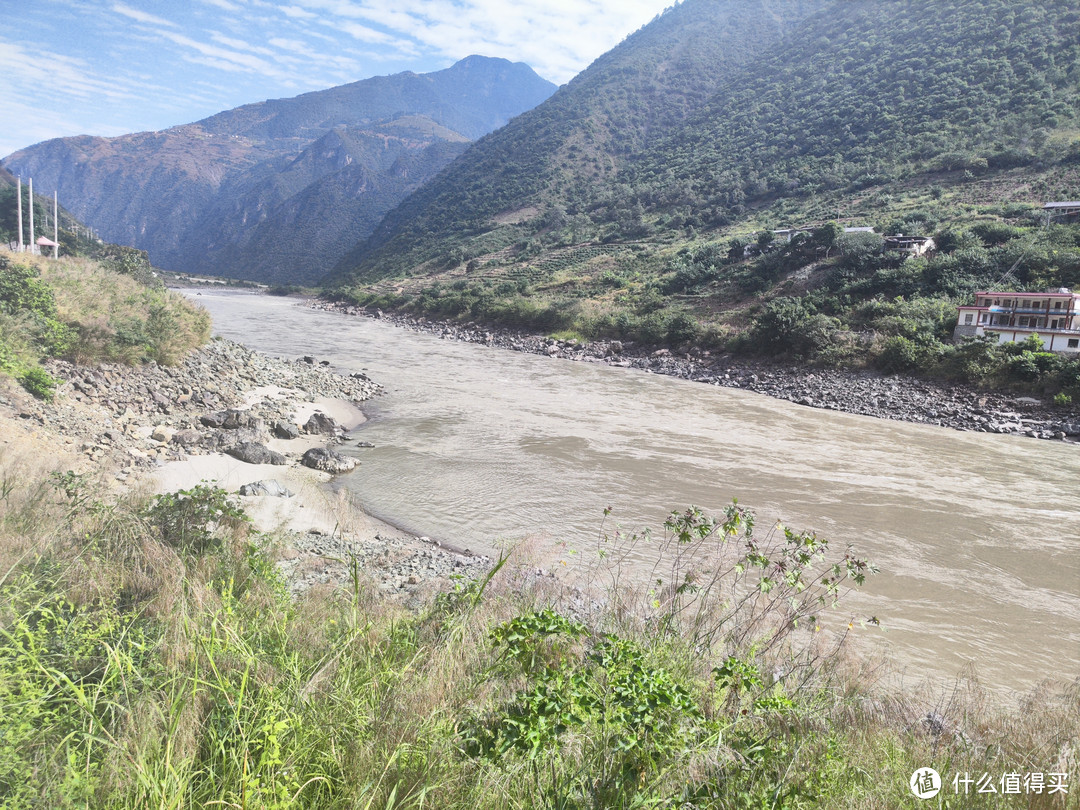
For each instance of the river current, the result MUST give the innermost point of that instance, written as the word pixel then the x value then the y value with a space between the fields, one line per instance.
pixel 977 535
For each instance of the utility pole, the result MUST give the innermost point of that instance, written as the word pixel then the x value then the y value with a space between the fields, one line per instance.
pixel 55 227
pixel 33 245
pixel 19 195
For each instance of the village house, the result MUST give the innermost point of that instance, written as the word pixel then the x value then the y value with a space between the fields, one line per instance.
pixel 1061 212
pixel 915 245
pixel 1054 316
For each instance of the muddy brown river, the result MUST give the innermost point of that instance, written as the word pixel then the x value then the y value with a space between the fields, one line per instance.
pixel 977 536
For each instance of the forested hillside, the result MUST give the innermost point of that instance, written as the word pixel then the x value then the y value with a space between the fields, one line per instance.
pixel 536 169
pixel 955 121
pixel 317 172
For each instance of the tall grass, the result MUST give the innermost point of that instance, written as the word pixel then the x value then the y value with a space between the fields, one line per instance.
pixel 139 670
pixel 85 311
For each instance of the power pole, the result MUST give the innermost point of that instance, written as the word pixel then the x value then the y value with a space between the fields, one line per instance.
pixel 33 245
pixel 55 227
pixel 19 195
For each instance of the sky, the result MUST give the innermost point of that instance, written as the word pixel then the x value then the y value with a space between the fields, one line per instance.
pixel 108 67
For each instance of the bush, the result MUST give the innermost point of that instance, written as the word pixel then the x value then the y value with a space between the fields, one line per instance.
pixel 790 326
pixel 39 383
pixel 188 519
pixel 898 354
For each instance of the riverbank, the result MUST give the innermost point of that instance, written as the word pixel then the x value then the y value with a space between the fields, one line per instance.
pixel 868 393
pixel 266 430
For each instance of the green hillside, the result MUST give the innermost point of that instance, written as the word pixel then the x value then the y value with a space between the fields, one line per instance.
pixel 536 169
pixel 953 120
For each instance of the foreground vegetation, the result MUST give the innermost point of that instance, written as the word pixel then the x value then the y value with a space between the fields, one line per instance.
pixel 89 311
pixel 150 656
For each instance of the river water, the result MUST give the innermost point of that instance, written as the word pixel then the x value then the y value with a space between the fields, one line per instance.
pixel 977 536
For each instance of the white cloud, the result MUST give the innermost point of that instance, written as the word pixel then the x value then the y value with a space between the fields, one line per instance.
pixel 141 16
pixel 297 13
pixel 240 45
pixel 225 5
pixel 85 65
pixel 558 38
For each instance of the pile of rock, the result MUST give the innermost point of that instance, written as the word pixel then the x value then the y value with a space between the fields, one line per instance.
pixel 400 565
pixel 146 414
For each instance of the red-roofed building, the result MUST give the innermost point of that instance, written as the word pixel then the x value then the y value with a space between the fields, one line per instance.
pixel 1053 315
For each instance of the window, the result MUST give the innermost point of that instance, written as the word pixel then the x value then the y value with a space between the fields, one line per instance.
pixel 1024 321
pixel 968 318
pixel 1007 302
pixel 1057 305
pixel 1074 343
pixel 982 318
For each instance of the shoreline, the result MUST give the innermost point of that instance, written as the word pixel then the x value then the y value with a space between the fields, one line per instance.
pixel 234 418
pixel 867 393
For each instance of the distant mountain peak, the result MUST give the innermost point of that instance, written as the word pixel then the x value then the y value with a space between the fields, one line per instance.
pixel 277 190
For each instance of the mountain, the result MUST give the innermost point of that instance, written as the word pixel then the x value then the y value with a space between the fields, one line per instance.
pixel 721 106
pixel 539 167
pixel 278 190
pixel 695 183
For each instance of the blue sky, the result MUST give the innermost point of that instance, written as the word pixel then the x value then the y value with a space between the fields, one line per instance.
pixel 106 67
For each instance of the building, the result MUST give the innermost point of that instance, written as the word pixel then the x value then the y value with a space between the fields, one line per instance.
pixel 1062 211
pixel 915 245
pixel 1053 315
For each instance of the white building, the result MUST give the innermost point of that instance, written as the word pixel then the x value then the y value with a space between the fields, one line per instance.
pixel 1053 315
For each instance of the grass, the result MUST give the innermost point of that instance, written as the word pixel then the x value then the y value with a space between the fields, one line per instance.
pixel 85 311
pixel 139 670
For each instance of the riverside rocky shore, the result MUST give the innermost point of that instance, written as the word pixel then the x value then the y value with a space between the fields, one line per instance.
pixel 903 398
pixel 228 413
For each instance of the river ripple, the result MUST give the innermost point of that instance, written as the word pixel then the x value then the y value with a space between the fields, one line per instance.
pixel 977 535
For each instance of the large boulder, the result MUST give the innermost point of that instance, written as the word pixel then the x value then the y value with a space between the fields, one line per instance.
pixel 255 453
pixel 321 458
pixel 232 419
pixel 322 424
pixel 285 430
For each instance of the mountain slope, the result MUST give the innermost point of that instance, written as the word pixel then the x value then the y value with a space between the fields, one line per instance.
pixel 585 133
pixel 195 195
pixel 858 93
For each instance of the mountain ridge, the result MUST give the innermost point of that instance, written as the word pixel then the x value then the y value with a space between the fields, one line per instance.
pixel 171 192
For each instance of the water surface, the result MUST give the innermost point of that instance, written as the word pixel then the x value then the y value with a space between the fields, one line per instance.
pixel 976 534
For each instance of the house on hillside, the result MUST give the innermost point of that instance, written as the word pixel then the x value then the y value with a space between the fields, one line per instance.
pixel 787 234
pixel 860 229
pixel 914 245
pixel 1053 315
pixel 1062 211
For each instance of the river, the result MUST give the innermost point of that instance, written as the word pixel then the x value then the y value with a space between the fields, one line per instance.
pixel 977 535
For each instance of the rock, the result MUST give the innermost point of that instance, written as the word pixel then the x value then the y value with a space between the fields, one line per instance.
pixel 269 487
pixel 320 458
pixel 213 420
pixel 161 433
pixel 286 430
pixel 364 444
pixel 255 453
pixel 187 438
pixel 321 423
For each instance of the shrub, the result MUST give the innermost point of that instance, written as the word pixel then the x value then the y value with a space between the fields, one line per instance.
pixel 187 520
pixel 39 383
